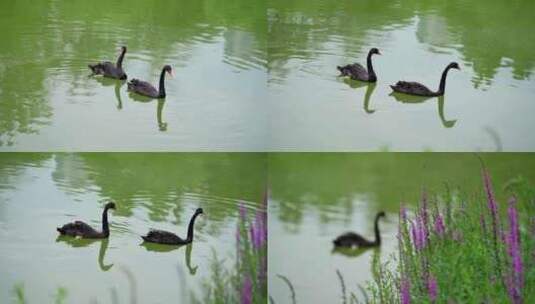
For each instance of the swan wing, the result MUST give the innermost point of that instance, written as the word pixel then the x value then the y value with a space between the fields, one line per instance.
pixel 163 237
pixel 349 239
pixel 77 228
pixel 414 88
pixel 356 71
pixel 142 87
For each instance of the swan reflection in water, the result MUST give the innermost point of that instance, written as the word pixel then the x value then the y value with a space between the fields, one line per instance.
pixel 81 242
pixel 355 251
pixel 410 99
pixel 118 84
pixel 370 88
pixel 168 248
pixel 162 125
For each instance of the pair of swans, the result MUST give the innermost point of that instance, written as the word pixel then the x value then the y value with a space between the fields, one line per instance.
pixel 357 72
pixel 110 70
pixel 83 230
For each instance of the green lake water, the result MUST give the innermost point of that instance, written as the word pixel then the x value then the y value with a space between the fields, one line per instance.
pixel 316 197
pixel 488 105
pixel 261 75
pixel 41 191
pixel 216 48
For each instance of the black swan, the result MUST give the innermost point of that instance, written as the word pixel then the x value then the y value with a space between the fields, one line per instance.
pixel 358 72
pixel 351 239
pixel 415 88
pixel 81 229
pixel 146 89
pixel 108 69
pixel 169 238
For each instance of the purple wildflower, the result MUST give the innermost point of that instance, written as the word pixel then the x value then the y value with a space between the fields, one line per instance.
pixel 418 233
pixel 425 216
pixel 492 204
pixel 439 225
pixel 432 287
pixel 246 291
pixel 252 232
pixel 405 291
pixel 493 207
pixel 515 281
pixel 260 223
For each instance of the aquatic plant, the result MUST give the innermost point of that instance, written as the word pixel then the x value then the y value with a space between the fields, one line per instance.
pixel 246 283
pixel 468 257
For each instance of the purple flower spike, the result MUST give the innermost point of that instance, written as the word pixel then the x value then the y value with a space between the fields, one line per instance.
pixel 424 216
pixel 405 291
pixel 418 233
pixel 432 288
pixel 252 232
pixel 246 291
pixel 439 225
pixel 515 280
pixel 493 206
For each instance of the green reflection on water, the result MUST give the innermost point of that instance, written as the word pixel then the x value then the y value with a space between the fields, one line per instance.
pixel 317 111
pixel 456 24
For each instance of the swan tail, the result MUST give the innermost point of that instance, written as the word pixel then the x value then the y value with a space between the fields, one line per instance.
pixel 97 69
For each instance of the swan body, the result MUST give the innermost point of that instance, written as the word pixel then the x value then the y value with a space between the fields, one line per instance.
pixel 83 230
pixel 415 88
pixel 351 239
pixel 110 70
pixel 357 72
pixel 146 89
pixel 169 238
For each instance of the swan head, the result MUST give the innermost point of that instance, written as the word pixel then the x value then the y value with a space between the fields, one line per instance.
pixel 199 211
pixel 375 51
pixel 381 214
pixel 110 205
pixel 454 65
pixel 123 49
pixel 169 70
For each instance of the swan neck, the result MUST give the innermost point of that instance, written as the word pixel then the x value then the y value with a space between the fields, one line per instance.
pixel 371 72
pixel 120 59
pixel 442 86
pixel 377 234
pixel 161 88
pixel 105 226
pixel 190 228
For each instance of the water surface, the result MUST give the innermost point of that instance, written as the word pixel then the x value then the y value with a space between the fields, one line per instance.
pixel 48 102
pixel 316 197
pixel 487 105
pixel 39 192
